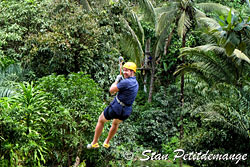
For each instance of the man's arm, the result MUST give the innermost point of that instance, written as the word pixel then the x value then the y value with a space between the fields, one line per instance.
pixel 113 88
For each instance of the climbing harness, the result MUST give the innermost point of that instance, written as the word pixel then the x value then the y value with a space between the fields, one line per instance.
pixel 121 103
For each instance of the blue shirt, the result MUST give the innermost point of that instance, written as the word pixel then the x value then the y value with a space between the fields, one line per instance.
pixel 128 89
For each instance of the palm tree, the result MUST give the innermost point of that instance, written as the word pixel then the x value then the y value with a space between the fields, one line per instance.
pixel 180 15
pixel 150 14
pixel 183 13
pixel 227 111
pixel 132 40
pixel 224 59
pixel 222 62
pixel 132 37
pixel 220 106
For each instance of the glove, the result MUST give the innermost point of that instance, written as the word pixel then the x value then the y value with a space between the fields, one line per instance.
pixel 118 78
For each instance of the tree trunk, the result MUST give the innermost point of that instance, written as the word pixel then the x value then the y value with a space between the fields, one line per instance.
pixel 145 72
pixel 78 160
pixel 168 42
pixel 182 97
pixel 151 88
pixel 69 158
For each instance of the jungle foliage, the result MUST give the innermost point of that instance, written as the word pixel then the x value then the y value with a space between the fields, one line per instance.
pixel 58 59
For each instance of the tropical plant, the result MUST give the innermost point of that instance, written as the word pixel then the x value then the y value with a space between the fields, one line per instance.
pixel 49 123
pixel 220 119
pixel 180 15
pixel 9 78
pixel 18 20
pixel 185 14
pixel 132 38
pixel 73 40
pixel 22 131
pixel 225 58
pixel 235 32
pixel 76 102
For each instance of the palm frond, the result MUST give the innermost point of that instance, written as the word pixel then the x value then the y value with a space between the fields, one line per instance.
pixel 200 69
pixel 148 8
pixel 203 49
pixel 9 76
pixel 197 86
pixel 165 20
pixel 215 61
pixel 13 72
pixel 210 27
pixel 137 22
pixel 6 92
pixel 228 117
pixel 167 7
pixel 131 44
pixel 160 10
pixel 199 13
pixel 214 7
pixel 208 22
pixel 161 42
pixel 184 23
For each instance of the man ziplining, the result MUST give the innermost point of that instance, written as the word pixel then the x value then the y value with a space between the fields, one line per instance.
pixel 121 107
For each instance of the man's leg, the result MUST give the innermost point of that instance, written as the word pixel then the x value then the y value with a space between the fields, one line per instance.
pixel 99 128
pixel 113 130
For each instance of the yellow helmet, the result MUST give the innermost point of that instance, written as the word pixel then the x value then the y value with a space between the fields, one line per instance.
pixel 130 65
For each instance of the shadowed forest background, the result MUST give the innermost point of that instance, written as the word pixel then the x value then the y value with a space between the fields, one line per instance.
pixel 58 59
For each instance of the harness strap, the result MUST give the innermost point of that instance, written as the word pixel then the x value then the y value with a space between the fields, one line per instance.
pixel 120 102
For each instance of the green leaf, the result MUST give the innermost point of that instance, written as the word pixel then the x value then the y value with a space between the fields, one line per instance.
pixel 239 27
pixel 229 48
pixel 242 46
pixel 35 155
pixel 234 39
pixel 229 17
pixel 165 66
pixel 221 21
pixel 42 158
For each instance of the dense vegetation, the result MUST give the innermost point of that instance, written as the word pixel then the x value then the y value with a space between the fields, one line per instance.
pixel 59 57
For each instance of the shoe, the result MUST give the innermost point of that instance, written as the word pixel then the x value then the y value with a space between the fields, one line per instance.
pixel 106 145
pixel 92 146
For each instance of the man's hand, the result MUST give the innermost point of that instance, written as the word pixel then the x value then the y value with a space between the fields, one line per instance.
pixel 118 78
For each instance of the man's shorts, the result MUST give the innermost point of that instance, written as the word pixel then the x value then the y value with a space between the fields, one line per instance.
pixel 109 114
